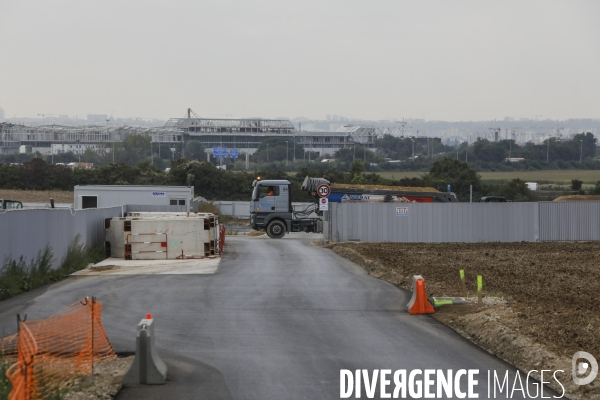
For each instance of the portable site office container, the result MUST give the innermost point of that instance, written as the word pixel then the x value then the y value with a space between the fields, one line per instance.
pixel 98 196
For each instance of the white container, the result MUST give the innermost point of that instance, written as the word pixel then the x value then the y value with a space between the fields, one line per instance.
pixel 98 196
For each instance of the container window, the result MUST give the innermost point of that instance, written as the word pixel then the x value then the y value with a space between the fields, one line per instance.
pixel 89 201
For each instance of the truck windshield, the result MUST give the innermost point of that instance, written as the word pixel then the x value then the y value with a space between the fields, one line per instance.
pixel 264 191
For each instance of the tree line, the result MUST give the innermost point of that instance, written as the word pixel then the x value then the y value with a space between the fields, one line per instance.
pixel 280 153
pixel 213 183
pixel 483 155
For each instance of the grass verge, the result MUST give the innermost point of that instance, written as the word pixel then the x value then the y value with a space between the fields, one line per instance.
pixel 5 385
pixel 18 276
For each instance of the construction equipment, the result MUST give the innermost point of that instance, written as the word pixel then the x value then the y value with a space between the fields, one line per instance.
pixel 271 210
pixel 271 205
pixel 10 205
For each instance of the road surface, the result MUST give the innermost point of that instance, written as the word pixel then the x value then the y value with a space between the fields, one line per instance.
pixel 278 320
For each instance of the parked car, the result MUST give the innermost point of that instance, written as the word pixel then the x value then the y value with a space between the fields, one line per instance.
pixel 493 199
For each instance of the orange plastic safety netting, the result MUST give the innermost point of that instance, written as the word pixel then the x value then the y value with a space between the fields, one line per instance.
pixel 221 239
pixel 49 353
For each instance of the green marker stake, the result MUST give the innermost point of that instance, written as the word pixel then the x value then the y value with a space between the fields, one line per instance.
pixel 479 290
pixel 464 285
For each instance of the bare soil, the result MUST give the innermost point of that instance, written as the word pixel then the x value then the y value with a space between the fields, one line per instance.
pixel 541 305
pixel 384 187
pixel 104 383
pixel 255 233
pixel 37 196
pixel 578 197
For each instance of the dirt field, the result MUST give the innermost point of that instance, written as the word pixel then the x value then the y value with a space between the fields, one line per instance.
pixel 37 196
pixel 542 303
pixel 546 176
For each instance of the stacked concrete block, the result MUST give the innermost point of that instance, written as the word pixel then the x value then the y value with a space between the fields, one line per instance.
pixel 114 237
pixel 162 235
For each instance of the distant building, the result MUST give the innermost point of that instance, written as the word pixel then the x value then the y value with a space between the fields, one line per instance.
pixel 1 113
pixel 97 118
pixel 78 148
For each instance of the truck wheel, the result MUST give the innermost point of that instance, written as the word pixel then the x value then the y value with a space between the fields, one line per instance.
pixel 276 229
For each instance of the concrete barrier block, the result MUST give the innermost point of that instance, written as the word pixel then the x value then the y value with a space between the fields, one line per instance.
pixel 147 368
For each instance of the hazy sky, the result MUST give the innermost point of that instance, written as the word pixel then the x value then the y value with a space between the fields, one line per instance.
pixel 445 60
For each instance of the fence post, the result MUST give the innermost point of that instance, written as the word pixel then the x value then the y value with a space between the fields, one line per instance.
pixel 92 319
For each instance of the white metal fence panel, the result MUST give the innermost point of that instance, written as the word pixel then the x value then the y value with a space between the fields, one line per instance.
pixel 570 221
pixel 433 223
pixel 25 232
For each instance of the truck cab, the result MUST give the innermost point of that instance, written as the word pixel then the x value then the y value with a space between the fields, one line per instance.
pixel 271 210
pixel 271 206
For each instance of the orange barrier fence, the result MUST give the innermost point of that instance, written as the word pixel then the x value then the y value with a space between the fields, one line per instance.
pixel 221 238
pixel 48 353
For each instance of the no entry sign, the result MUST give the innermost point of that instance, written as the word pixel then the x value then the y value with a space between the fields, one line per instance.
pixel 323 204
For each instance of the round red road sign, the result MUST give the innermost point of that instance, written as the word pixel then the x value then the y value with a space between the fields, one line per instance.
pixel 323 190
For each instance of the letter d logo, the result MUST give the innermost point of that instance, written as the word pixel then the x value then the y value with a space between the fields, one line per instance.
pixel 581 368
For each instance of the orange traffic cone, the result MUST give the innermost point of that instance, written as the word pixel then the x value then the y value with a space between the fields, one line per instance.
pixel 418 303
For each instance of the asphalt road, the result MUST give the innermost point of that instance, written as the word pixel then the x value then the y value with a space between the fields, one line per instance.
pixel 278 320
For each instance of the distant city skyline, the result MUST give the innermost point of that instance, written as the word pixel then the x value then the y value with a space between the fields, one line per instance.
pixel 101 118
pixel 522 130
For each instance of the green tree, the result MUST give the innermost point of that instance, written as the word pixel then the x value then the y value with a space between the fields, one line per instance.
pixel 135 148
pixel 209 181
pixel 587 142
pixel 457 174
pixel 394 147
pixel 576 184
pixel 278 149
pixel 98 158
pixel 194 150
pixel 163 150
pixel 514 190
pixel 491 152
pixel 356 172
pixel 347 155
